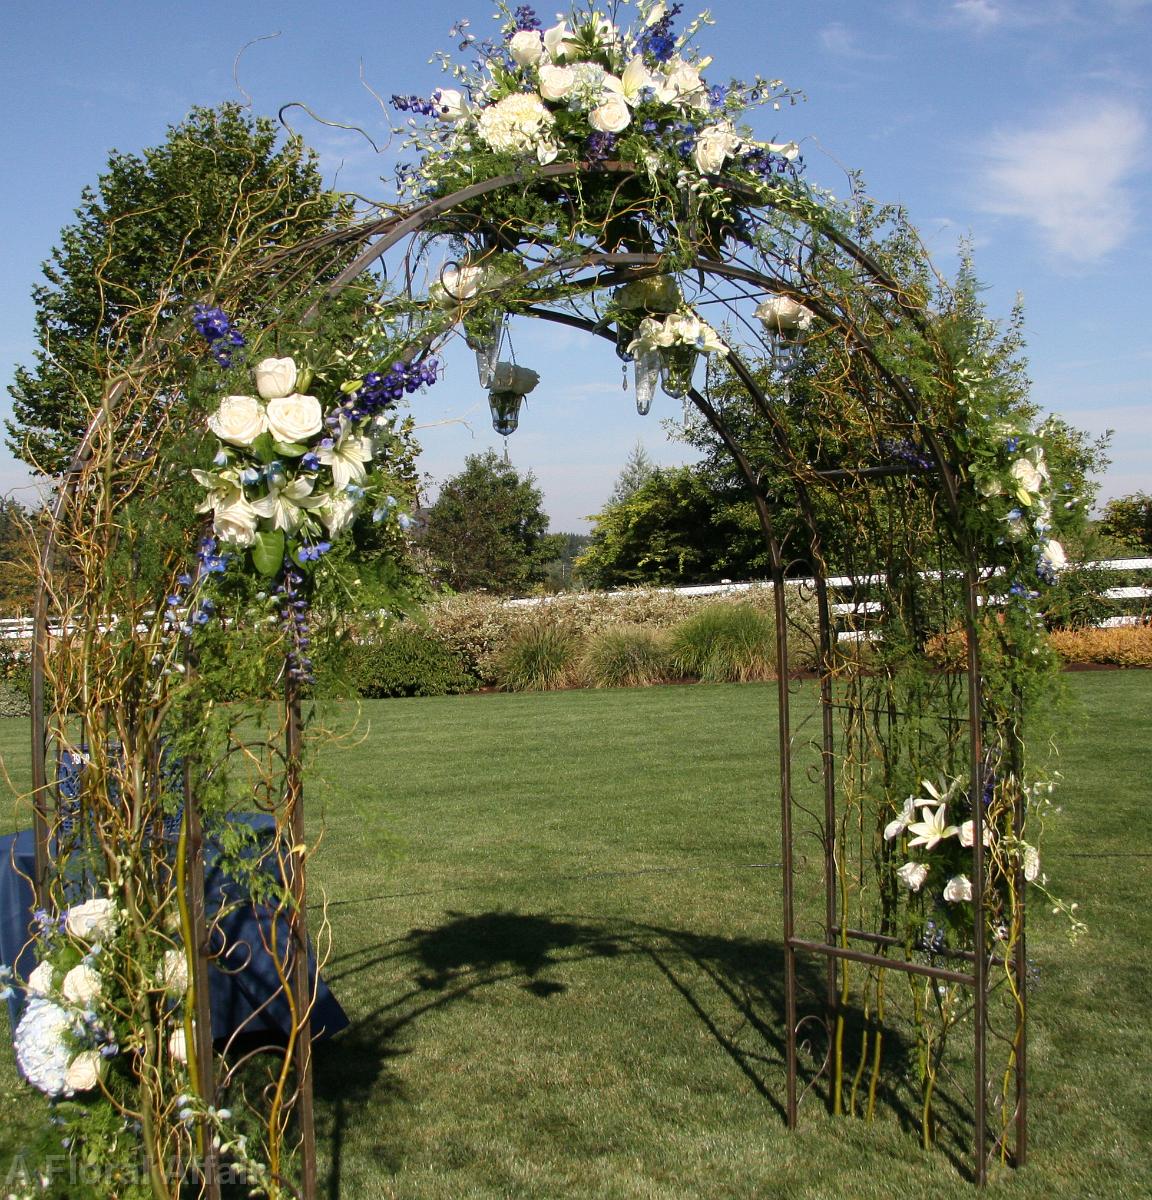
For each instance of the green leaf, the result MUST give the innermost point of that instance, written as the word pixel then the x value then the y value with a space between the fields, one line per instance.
pixel 264 448
pixel 288 449
pixel 268 552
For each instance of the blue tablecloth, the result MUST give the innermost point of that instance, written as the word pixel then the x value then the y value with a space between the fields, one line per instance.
pixel 241 979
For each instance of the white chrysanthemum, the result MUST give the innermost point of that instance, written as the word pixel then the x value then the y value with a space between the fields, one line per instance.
pixel 42 1050
pixel 519 124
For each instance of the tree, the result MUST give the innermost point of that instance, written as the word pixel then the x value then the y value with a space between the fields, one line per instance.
pixel 636 471
pixel 675 528
pixel 1128 519
pixel 152 236
pixel 487 529
pixel 17 576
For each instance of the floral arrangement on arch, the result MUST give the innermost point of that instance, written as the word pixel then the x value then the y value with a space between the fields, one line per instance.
pixel 586 90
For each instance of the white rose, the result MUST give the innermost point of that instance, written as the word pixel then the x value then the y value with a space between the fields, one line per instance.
pixel 294 418
pixel 1029 479
pixel 239 420
pixel 913 874
pixel 81 985
pixel 968 836
pixel 713 145
pixel 958 888
pixel 558 42
pixel 275 377
pixel 178 1046
pixel 84 1071
pixel 782 314
pixel 91 920
pixel 457 284
pixel 40 980
pixel 556 83
pixel 235 522
pixel 508 377
pixel 527 47
pixel 174 972
pixel 611 115
pixel 451 105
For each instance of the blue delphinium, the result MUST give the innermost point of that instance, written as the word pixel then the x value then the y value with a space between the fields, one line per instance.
pixel 215 327
pixel 525 18
pixel 657 42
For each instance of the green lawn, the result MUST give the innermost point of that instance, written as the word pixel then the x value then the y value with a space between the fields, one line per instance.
pixel 554 925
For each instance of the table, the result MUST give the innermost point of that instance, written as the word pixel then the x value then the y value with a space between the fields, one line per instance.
pixel 240 980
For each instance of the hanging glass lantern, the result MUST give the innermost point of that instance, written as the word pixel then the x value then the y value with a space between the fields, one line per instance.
pixel 509 384
pixel 647 366
pixel 484 335
pixel 625 333
pixel 677 365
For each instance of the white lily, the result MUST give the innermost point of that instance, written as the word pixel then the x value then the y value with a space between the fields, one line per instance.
pixel 285 506
pixel 897 826
pixel 932 827
pixel 634 80
pixel 348 457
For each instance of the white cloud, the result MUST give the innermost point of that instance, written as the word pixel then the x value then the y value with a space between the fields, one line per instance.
pixel 1070 177
pixel 982 14
pixel 837 39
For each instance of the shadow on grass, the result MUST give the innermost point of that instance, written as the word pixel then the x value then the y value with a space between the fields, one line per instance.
pixel 734 987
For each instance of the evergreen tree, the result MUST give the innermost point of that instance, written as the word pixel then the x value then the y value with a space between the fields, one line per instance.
pixel 487 529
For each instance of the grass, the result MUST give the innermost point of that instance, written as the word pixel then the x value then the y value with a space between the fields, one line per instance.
pixel 555 928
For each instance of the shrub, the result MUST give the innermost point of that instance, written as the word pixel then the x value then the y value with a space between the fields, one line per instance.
pixel 13 701
pixel 626 656
pixel 1124 645
pixel 726 643
pixel 404 661
pixel 477 627
pixel 538 658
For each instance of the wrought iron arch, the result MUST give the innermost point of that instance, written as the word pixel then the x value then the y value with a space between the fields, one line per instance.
pixel 879 306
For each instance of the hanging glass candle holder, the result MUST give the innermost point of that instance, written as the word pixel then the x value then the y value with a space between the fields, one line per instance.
pixel 625 334
pixel 677 365
pixel 484 335
pixel 508 386
pixel 647 367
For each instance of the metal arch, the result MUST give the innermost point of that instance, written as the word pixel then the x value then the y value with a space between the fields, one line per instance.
pixel 387 232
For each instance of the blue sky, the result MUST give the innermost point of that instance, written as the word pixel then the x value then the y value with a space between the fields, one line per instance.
pixel 1019 125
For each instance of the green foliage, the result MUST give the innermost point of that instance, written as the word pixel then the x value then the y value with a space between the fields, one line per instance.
pixel 487 529
pixel 676 527
pixel 726 643
pixel 626 656
pixel 537 658
pixel 153 235
pixel 1128 519
pixel 403 661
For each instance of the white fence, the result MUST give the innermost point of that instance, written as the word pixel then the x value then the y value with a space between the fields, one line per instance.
pixel 19 629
